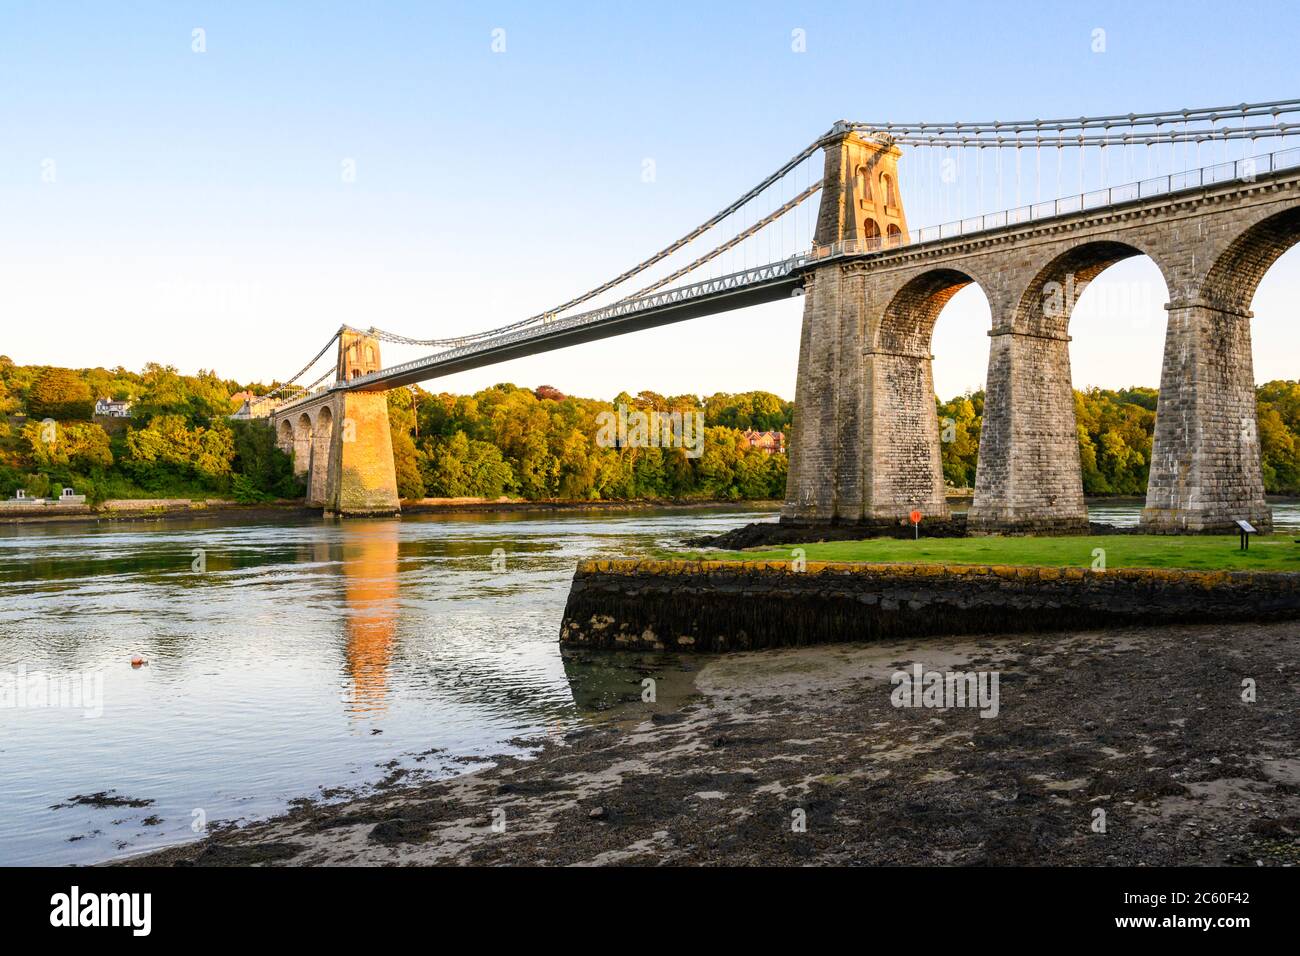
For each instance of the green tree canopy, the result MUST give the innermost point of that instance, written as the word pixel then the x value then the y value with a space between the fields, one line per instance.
pixel 61 394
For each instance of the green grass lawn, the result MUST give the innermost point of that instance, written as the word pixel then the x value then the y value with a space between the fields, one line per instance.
pixel 1278 552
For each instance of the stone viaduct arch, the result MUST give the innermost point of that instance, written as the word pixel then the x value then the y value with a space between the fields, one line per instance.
pixel 321 442
pixel 860 452
pixel 1206 454
pixel 1029 477
pixel 302 432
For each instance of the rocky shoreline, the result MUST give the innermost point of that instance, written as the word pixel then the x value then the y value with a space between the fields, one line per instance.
pixel 766 534
pixel 1147 725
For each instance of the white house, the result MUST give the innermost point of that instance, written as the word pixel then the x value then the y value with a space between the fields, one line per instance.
pixel 112 408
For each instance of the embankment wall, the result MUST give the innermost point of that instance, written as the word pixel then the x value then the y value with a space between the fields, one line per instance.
pixel 725 605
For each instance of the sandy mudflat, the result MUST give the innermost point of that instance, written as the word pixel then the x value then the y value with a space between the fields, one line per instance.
pixel 1146 724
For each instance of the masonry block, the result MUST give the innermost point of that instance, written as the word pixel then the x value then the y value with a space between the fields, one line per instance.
pixel 1205 460
pixel 364 481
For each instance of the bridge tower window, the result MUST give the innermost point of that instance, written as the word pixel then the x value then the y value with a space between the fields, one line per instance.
pixel 871 229
pixel 863 184
pixel 887 188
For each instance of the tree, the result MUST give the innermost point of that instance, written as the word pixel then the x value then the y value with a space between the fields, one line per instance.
pixel 264 471
pixel 61 394
pixel 406 465
pixel 168 450
pixel 8 401
pixel 77 444
pixel 959 438
pixel 460 467
pixel 200 399
pixel 1278 407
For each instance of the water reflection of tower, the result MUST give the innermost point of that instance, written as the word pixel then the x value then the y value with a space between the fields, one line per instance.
pixel 369 564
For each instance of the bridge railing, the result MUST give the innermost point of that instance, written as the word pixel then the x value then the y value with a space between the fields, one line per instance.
pixel 1245 170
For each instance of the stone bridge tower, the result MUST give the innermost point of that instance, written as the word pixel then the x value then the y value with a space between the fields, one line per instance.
pixel 860 196
pixel 358 354
pixel 340 439
pixel 866 444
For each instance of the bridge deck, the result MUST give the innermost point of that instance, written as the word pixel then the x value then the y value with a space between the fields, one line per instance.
pixel 781 279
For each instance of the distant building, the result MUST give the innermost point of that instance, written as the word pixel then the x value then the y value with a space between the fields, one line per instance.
pixel 766 442
pixel 112 408
pixel 20 500
pixel 248 405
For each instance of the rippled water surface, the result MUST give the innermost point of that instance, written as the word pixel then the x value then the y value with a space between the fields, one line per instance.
pixel 308 654
pixel 300 655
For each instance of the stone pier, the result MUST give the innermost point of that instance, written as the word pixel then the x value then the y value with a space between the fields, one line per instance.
pixel 340 439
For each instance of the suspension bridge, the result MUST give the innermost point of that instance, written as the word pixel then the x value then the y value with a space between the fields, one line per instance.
pixel 1031 211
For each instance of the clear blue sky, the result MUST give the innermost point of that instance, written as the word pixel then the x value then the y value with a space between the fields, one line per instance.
pixel 198 215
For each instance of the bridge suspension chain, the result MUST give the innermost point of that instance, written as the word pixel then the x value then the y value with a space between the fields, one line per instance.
pixel 289 383
pixel 729 244
pixel 1081 131
pixel 958 146
pixel 640 267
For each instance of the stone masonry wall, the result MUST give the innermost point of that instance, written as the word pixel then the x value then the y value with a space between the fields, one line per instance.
pixel 1029 477
pixel 364 482
pixel 1205 466
pixel 725 606
pixel 854 460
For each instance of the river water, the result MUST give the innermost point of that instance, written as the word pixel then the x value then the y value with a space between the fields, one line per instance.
pixel 294 658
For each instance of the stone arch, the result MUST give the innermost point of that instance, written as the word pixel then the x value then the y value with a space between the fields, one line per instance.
pixel 905 462
pixel 322 438
pixel 888 197
pixel 871 232
pixel 1047 301
pixel 1029 477
pixel 908 321
pixel 302 432
pixel 284 436
pixel 1236 273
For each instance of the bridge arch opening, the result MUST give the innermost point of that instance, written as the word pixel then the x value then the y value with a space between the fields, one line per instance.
pixel 284 436
pixel 1049 299
pixel 1043 447
pixel 302 444
pixel 1226 334
pixel 1235 277
pixel 937 436
pixel 322 438
pixel 1273 330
